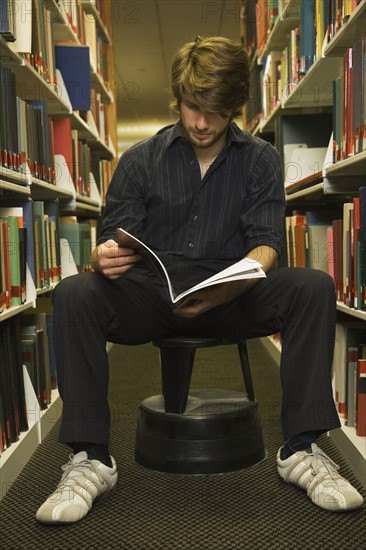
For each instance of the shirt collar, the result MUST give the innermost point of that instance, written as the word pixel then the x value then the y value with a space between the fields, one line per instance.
pixel 175 131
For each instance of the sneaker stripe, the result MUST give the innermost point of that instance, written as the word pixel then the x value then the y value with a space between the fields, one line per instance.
pixel 292 469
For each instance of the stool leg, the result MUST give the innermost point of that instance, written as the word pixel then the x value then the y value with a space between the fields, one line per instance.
pixel 176 367
pixel 244 360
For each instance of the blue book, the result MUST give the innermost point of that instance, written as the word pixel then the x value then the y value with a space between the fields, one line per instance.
pixel 74 64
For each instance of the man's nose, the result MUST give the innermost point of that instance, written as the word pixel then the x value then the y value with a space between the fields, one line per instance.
pixel 202 122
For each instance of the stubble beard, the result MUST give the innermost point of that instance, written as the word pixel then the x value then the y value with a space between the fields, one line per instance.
pixel 198 144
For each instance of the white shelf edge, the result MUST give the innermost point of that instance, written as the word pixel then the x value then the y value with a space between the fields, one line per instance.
pixel 12 311
pixel 13 459
pixel 350 311
pixel 347 166
pixel 352 451
pixel 336 43
pixel 15 187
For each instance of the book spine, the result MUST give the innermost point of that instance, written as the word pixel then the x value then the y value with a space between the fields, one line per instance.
pixel 361 398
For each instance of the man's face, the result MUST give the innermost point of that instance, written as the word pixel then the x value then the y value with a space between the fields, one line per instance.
pixel 202 128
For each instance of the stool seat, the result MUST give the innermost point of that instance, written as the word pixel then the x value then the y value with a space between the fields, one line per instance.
pixel 191 342
pixel 197 431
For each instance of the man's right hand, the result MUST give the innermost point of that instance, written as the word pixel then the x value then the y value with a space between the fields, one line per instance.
pixel 113 261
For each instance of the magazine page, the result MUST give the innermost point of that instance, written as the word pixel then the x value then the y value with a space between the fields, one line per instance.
pixel 150 259
pixel 246 268
pixel 243 269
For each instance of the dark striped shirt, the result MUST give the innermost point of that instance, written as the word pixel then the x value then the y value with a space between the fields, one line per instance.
pixel 157 194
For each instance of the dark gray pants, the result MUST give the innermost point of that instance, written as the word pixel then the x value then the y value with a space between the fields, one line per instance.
pixel 89 310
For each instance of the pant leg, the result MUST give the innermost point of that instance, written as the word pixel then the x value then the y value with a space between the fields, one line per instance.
pixel 88 311
pixel 301 305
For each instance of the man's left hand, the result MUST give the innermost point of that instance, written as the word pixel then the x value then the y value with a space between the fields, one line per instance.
pixel 204 300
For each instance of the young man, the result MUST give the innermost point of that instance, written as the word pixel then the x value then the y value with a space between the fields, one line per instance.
pixel 203 194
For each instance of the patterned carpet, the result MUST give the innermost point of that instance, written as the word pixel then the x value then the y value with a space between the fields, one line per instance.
pixel 249 509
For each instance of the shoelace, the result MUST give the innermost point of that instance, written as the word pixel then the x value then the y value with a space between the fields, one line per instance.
pixel 320 459
pixel 72 466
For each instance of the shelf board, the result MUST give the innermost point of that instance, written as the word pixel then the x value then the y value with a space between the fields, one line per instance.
pixel 291 10
pixel 328 187
pixel 101 147
pixel 353 166
pixel 45 289
pixel 11 312
pixel 7 56
pixel 85 132
pixel 353 448
pixel 352 312
pixel 13 459
pixel 278 36
pixel 349 33
pixel 12 176
pixel 100 86
pixel 31 85
pixel 7 186
pixel 43 190
pixel 82 206
pixel 62 30
pixel 90 8
pixel 315 89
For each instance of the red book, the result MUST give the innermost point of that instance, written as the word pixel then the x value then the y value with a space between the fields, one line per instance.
pixel 361 399
pixel 62 144
pixel 300 245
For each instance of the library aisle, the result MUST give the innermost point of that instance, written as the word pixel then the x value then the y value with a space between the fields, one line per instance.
pixel 307 98
pixel 251 508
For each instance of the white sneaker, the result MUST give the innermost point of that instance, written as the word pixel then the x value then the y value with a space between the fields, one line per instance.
pixel 83 481
pixel 318 475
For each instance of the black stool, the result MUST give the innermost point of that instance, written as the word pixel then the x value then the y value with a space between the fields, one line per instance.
pixel 197 431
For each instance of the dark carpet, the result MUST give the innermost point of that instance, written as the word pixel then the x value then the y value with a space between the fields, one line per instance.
pixel 250 509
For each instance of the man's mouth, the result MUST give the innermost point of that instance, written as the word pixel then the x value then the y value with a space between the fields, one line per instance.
pixel 201 135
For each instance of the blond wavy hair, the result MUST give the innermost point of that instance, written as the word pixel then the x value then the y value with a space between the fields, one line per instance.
pixel 215 70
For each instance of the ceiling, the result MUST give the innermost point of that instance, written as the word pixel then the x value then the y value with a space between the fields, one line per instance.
pixel 146 35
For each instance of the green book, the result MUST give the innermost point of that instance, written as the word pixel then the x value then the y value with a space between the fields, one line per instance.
pixel 14 257
pixel 71 232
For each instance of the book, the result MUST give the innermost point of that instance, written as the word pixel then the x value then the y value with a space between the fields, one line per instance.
pixel 246 268
pixel 74 64
pixel 318 246
pixel 63 146
pixel 12 252
pixel 7 22
pixel 361 399
pixel 347 336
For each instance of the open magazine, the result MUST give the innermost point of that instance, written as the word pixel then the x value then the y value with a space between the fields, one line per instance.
pixel 243 269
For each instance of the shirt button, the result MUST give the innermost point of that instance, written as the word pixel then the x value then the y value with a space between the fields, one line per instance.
pixel 191 162
pixel 190 245
pixel 195 218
